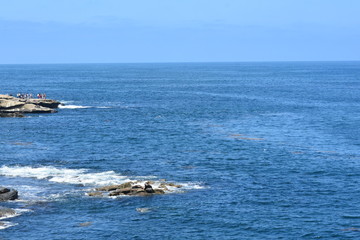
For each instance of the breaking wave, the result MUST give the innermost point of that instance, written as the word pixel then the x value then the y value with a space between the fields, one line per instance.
pixel 10 213
pixel 62 106
pixel 72 106
pixel 5 224
pixel 84 177
pixel 65 175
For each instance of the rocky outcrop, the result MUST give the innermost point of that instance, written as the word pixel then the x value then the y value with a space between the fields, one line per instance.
pixel 16 107
pixel 133 189
pixel 6 212
pixel 7 194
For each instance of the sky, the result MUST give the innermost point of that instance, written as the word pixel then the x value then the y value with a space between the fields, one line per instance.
pixel 119 31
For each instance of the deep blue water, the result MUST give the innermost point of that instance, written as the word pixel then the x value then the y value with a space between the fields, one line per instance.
pixel 265 150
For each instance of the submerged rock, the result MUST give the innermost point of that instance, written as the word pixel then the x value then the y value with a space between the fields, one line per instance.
pixel 143 210
pixel 85 224
pixel 17 114
pixel 7 194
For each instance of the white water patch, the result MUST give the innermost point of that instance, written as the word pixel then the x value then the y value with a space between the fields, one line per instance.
pixel 12 213
pixel 4 224
pixel 17 212
pixel 84 177
pixel 65 175
pixel 62 106
pixel 73 106
pixel 66 102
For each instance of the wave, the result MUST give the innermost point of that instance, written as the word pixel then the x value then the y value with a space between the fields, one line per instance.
pixel 62 106
pixel 85 177
pixel 4 224
pixel 65 175
pixel 10 213
pixel 73 106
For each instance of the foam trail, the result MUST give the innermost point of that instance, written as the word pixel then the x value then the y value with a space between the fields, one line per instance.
pixel 73 106
pixel 85 177
pixel 79 107
pixel 4 225
pixel 64 175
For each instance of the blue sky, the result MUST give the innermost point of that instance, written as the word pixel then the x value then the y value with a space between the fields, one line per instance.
pixel 104 31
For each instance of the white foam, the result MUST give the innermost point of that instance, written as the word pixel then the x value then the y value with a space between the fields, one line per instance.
pixel 79 106
pixel 17 212
pixel 9 215
pixel 73 106
pixel 4 225
pixel 85 177
pixel 65 175
pixel 66 102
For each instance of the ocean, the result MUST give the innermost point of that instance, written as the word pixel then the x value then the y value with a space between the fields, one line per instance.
pixel 263 151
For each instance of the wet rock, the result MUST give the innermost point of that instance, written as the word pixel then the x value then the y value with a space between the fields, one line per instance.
pixel 174 185
pixel 148 188
pixel 94 194
pixel 7 194
pixel 134 189
pixel 85 224
pixel 159 191
pixel 163 186
pixel 11 115
pixel 114 187
pixel 6 212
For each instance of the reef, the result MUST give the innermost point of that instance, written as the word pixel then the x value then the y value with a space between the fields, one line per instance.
pixel 134 189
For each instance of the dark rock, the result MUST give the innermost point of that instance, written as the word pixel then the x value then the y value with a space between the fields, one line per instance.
pixel 4 190
pixel 48 103
pixel 148 188
pixel 8 194
pixel 159 191
pixel 11 115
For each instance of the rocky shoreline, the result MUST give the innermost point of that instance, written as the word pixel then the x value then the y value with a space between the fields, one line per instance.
pixel 16 107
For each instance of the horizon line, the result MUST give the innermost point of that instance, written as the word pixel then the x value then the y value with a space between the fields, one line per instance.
pixel 181 62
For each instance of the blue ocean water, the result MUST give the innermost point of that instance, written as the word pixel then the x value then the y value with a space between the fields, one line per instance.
pixel 264 150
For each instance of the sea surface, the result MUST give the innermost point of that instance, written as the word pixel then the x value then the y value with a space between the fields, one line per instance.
pixel 263 151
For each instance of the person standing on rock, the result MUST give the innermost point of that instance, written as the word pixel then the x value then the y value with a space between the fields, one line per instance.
pixel 148 188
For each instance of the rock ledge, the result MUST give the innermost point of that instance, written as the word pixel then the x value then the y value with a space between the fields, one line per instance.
pixel 16 107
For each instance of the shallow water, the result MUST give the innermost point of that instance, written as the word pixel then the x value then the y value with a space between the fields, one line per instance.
pixel 264 150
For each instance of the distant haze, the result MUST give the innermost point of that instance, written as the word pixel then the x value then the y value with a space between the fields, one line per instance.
pixel 110 31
